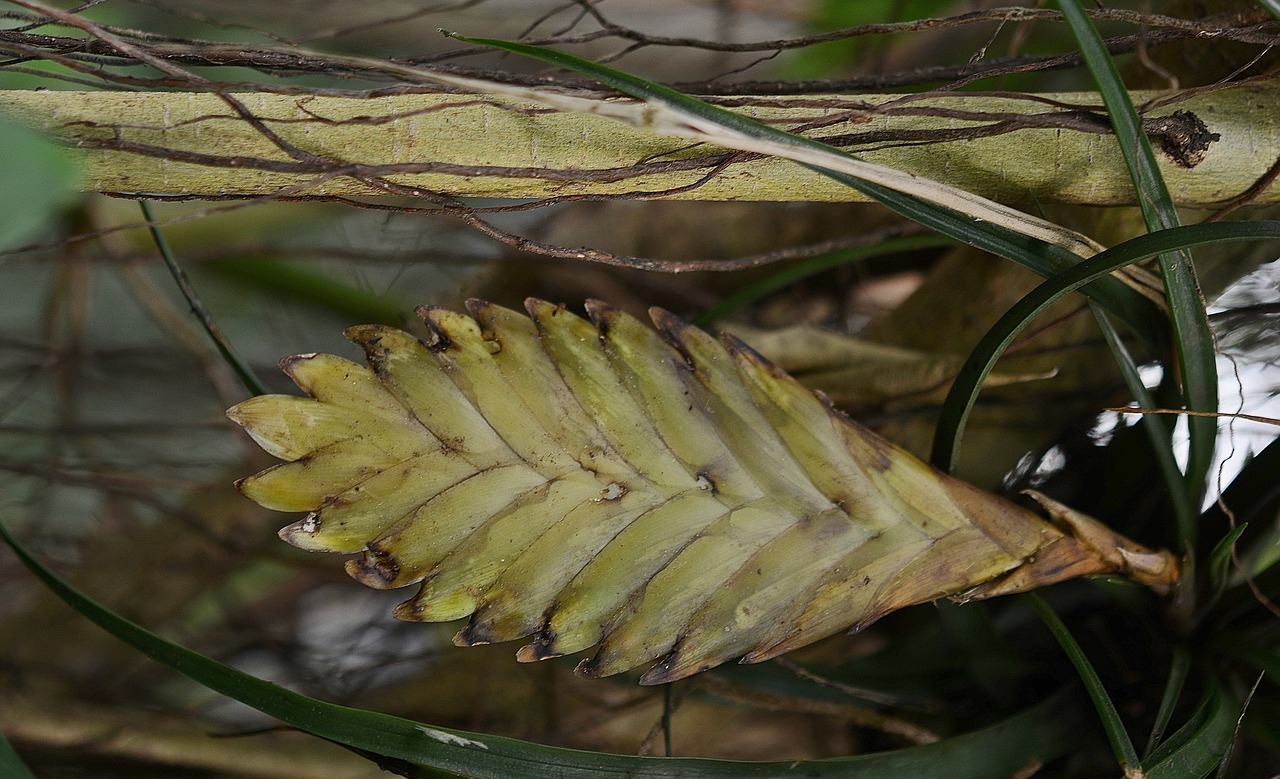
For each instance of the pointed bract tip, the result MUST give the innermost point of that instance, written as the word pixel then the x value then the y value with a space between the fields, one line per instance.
pixel 439 339
pixel 673 329
pixel 602 315
pixel 368 337
pixel 667 323
pixel 290 364
pixel 664 672
pixel 836 412
pixel 296 533
pixel 679 664
pixel 476 306
pixel 535 305
pixel 535 652
pixel 744 351
pixel 474 634
pixel 589 668
pixel 599 309
pixel 375 568
pixel 411 610
pixel 234 414
pixel 486 315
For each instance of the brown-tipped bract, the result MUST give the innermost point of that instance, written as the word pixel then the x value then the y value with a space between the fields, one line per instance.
pixel 661 496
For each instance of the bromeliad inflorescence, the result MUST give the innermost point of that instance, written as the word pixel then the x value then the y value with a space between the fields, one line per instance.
pixel 661 495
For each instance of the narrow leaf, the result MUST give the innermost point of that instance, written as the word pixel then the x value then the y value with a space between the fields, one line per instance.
pixel 1220 557
pixel 1193 339
pixel 1157 427
pixel 1179 669
pixel 1203 742
pixel 1121 744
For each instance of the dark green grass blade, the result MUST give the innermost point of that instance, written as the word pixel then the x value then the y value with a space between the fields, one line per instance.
pixel 963 393
pixel 814 265
pixel 1271 5
pixel 11 766
pixel 1200 745
pixel 1193 340
pixel 1041 733
pixel 1134 310
pixel 1179 669
pixel 1121 744
pixel 1156 426
pixel 1220 558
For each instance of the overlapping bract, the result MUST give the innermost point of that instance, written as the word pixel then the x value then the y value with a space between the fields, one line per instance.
pixel 668 497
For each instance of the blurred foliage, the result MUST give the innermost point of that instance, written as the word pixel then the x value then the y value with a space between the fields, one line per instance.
pixel 39 181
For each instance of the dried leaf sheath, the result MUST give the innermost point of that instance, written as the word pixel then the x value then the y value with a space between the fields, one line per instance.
pixel 659 495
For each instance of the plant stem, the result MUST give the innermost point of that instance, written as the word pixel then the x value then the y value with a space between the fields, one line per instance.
pixel 241 368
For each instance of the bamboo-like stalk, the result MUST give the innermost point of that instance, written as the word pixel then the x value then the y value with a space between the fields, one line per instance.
pixel 179 143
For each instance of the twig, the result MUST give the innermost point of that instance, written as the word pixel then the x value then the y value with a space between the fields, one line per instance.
pixel 242 369
pixel 1190 413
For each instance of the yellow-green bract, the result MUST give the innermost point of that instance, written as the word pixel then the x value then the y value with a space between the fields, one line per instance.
pixel 658 495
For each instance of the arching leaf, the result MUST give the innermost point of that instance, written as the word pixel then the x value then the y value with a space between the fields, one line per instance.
pixel 661 496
